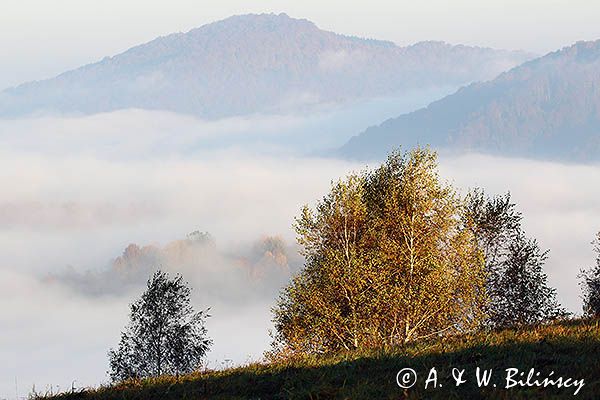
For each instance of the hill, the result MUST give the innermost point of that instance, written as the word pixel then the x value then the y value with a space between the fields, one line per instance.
pixel 570 349
pixel 546 108
pixel 254 64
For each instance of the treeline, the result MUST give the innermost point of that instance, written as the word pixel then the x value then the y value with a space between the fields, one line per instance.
pixel 395 255
pixel 392 255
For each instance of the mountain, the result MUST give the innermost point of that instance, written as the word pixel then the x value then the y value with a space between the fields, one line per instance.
pixel 254 64
pixel 547 108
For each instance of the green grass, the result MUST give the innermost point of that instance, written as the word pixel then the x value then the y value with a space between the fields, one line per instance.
pixel 570 348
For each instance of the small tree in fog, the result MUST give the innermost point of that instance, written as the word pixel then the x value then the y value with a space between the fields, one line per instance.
pixel 591 284
pixel 164 336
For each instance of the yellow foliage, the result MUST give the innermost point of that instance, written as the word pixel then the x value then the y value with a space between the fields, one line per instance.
pixel 388 260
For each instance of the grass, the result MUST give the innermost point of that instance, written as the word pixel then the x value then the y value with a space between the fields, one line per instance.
pixel 569 348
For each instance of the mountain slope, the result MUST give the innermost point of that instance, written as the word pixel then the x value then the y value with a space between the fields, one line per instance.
pixel 563 349
pixel 545 108
pixel 254 63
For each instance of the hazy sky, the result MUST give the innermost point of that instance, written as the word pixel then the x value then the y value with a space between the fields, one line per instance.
pixel 39 39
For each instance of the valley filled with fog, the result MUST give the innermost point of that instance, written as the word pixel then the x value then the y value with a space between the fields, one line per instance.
pixel 92 205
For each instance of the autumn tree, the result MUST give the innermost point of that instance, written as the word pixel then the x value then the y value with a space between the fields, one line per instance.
pixel 517 285
pixel 591 284
pixel 164 336
pixel 431 269
pixel 388 260
pixel 326 307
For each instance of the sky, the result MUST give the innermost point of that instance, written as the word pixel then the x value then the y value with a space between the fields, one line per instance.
pixel 40 39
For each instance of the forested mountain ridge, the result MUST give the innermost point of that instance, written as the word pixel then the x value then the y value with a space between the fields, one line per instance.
pixel 546 108
pixel 254 64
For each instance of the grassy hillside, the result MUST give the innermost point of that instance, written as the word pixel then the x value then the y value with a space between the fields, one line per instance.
pixel 570 349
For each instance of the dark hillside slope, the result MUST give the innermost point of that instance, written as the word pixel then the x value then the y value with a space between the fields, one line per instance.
pixel 570 349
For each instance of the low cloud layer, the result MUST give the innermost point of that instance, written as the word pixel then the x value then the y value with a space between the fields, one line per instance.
pixel 141 134
pixel 81 230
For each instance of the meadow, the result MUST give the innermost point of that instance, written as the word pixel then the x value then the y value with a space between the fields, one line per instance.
pixel 569 348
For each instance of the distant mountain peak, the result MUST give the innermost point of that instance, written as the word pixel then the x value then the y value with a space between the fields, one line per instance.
pixel 254 63
pixel 582 51
pixel 268 21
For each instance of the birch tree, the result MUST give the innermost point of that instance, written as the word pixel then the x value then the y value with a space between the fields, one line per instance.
pixel 164 336
pixel 432 264
pixel 388 260
pixel 591 284
pixel 517 286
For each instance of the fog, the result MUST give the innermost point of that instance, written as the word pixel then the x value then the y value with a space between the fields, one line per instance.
pixel 77 192
pixel 138 134
pixel 58 250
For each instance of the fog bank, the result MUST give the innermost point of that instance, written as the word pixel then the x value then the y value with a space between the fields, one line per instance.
pixel 71 208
